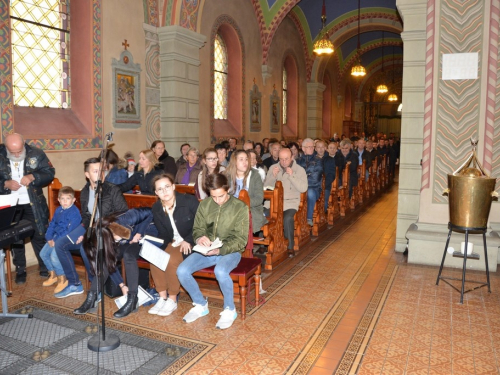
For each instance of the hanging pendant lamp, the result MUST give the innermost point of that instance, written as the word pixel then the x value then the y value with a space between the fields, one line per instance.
pixel 358 70
pixel 323 46
pixel 382 88
pixel 392 97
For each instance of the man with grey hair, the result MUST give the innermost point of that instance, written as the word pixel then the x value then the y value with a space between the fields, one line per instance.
pixel 24 171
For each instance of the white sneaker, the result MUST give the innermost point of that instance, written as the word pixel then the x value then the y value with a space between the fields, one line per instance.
pixel 196 312
pixel 168 308
pixel 227 317
pixel 157 307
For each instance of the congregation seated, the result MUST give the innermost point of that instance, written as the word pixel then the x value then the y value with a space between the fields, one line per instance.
pixel 183 158
pixel 165 161
pixel 241 176
pixel 210 162
pixel 294 180
pixel 148 169
pixel 189 171
pixel 220 216
pixel 117 174
pixel 364 156
pixel 274 150
pixel 350 160
pixel 256 164
pixel 313 165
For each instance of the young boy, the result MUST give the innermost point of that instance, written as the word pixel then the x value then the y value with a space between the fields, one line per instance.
pixel 66 218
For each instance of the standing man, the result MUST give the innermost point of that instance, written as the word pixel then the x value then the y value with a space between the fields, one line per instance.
pixel 183 158
pixel 313 165
pixel 24 171
pixel 294 180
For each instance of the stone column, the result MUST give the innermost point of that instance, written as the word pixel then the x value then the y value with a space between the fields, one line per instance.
pixel 179 86
pixel 315 109
pixel 152 74
pixel 414 14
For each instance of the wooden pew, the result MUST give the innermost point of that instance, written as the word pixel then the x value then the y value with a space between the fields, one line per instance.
pixel 333 200
pixel 274 237
pixel 248 268
pixel 361 182
pixel 302 230
pixel 344 191
pixel 319 217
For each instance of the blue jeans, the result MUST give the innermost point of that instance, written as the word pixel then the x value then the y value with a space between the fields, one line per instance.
pixel 223 265
pixel 312 197
pixel 49 257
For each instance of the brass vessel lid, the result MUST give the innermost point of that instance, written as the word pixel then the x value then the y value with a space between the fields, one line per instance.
pixel 474 171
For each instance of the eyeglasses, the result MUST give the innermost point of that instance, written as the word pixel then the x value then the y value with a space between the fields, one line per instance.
pixel 164 189
pixel 212 159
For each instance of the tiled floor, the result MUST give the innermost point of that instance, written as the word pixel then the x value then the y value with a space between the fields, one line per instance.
pixel 348 304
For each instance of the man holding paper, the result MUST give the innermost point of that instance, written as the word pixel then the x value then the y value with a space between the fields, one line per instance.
pixel 227 218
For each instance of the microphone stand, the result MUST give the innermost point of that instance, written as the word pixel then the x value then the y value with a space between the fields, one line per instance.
pixel 100 342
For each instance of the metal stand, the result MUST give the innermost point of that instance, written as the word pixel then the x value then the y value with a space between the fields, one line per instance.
pixel 465 256
pixel 5 293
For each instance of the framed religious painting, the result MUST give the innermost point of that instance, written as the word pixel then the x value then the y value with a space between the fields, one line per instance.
pixel 274 113
pixel 255 109
pixel 126 92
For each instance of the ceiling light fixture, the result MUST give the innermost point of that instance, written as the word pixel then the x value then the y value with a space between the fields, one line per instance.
pixel 382 88
pixel 392 97
pixel 323 46
pixel 358 70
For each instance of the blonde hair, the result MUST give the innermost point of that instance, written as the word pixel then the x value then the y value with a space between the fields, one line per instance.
pixel 231 170
pixel 150 155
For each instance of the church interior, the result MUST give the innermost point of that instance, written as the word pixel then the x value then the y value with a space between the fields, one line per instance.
pixel 361 297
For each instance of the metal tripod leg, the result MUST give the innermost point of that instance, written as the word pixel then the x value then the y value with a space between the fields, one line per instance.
pixel 3 291
pixel 444 255
pixel 465 264
pixel 486 261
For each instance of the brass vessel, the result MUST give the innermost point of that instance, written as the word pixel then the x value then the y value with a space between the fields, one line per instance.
pixel 470 191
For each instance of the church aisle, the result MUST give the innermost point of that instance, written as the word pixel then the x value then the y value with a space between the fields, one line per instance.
pixel 349 305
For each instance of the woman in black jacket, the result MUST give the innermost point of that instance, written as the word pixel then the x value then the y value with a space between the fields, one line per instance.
pixel 166 161
pixel 148 169
pixel 173 216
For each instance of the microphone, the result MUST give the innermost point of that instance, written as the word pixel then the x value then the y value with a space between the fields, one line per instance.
pixel 109 137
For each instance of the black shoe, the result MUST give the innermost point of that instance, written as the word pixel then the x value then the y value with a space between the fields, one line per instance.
pixel 89 303
pixel 21 278
pixel 130 306
pixel 44 273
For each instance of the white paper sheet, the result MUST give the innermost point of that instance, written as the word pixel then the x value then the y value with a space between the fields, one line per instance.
pixel 217 244
pixel 458 66
pixel 154 255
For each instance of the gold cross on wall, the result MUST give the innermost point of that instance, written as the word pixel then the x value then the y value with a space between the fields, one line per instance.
pixel 125 44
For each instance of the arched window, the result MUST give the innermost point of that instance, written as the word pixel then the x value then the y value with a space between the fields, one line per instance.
pixel 285 95
pixel 220 78
pixel 290 88
pixel 40 53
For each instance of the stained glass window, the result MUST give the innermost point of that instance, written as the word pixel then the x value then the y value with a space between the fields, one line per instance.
pixel 284 90
pixel 220 79
pixel 40 53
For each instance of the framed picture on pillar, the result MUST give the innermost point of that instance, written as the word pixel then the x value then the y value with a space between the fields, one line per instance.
pixel 274 115
pixel 255 109
pixel 126 92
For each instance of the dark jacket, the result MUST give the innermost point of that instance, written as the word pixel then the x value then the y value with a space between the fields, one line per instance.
pixel 329 168
pixel 145 181
pixel 193 177
pixel 186 206
pixel 63 222
pixel 313 166
pixel 117 176
pixel 366 156
pixel 352 157
pixel 39 165
pixel 168 163
pixel 269 162
pixel 112 202
pixel 138 220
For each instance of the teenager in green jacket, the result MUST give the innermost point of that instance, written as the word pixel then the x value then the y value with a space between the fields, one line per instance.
pixel 227 218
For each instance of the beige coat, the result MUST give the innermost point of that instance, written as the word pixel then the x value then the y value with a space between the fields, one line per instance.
pixel 293 185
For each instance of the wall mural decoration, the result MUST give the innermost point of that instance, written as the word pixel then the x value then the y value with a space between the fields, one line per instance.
pixel 255 108
pixel 126 91
pixel 274 112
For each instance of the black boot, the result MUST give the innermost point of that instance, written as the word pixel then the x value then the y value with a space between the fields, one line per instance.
pixel 130 306
pixel 89 303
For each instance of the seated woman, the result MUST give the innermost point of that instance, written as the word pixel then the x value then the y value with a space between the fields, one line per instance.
pixel 173 216
pixel 189 171
pixel 148 169
pixel 210 165
pixel 167 163
pixel 242 177
pixel 256 164
pixel 116 172
pixel 126 230
pixel 220 216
